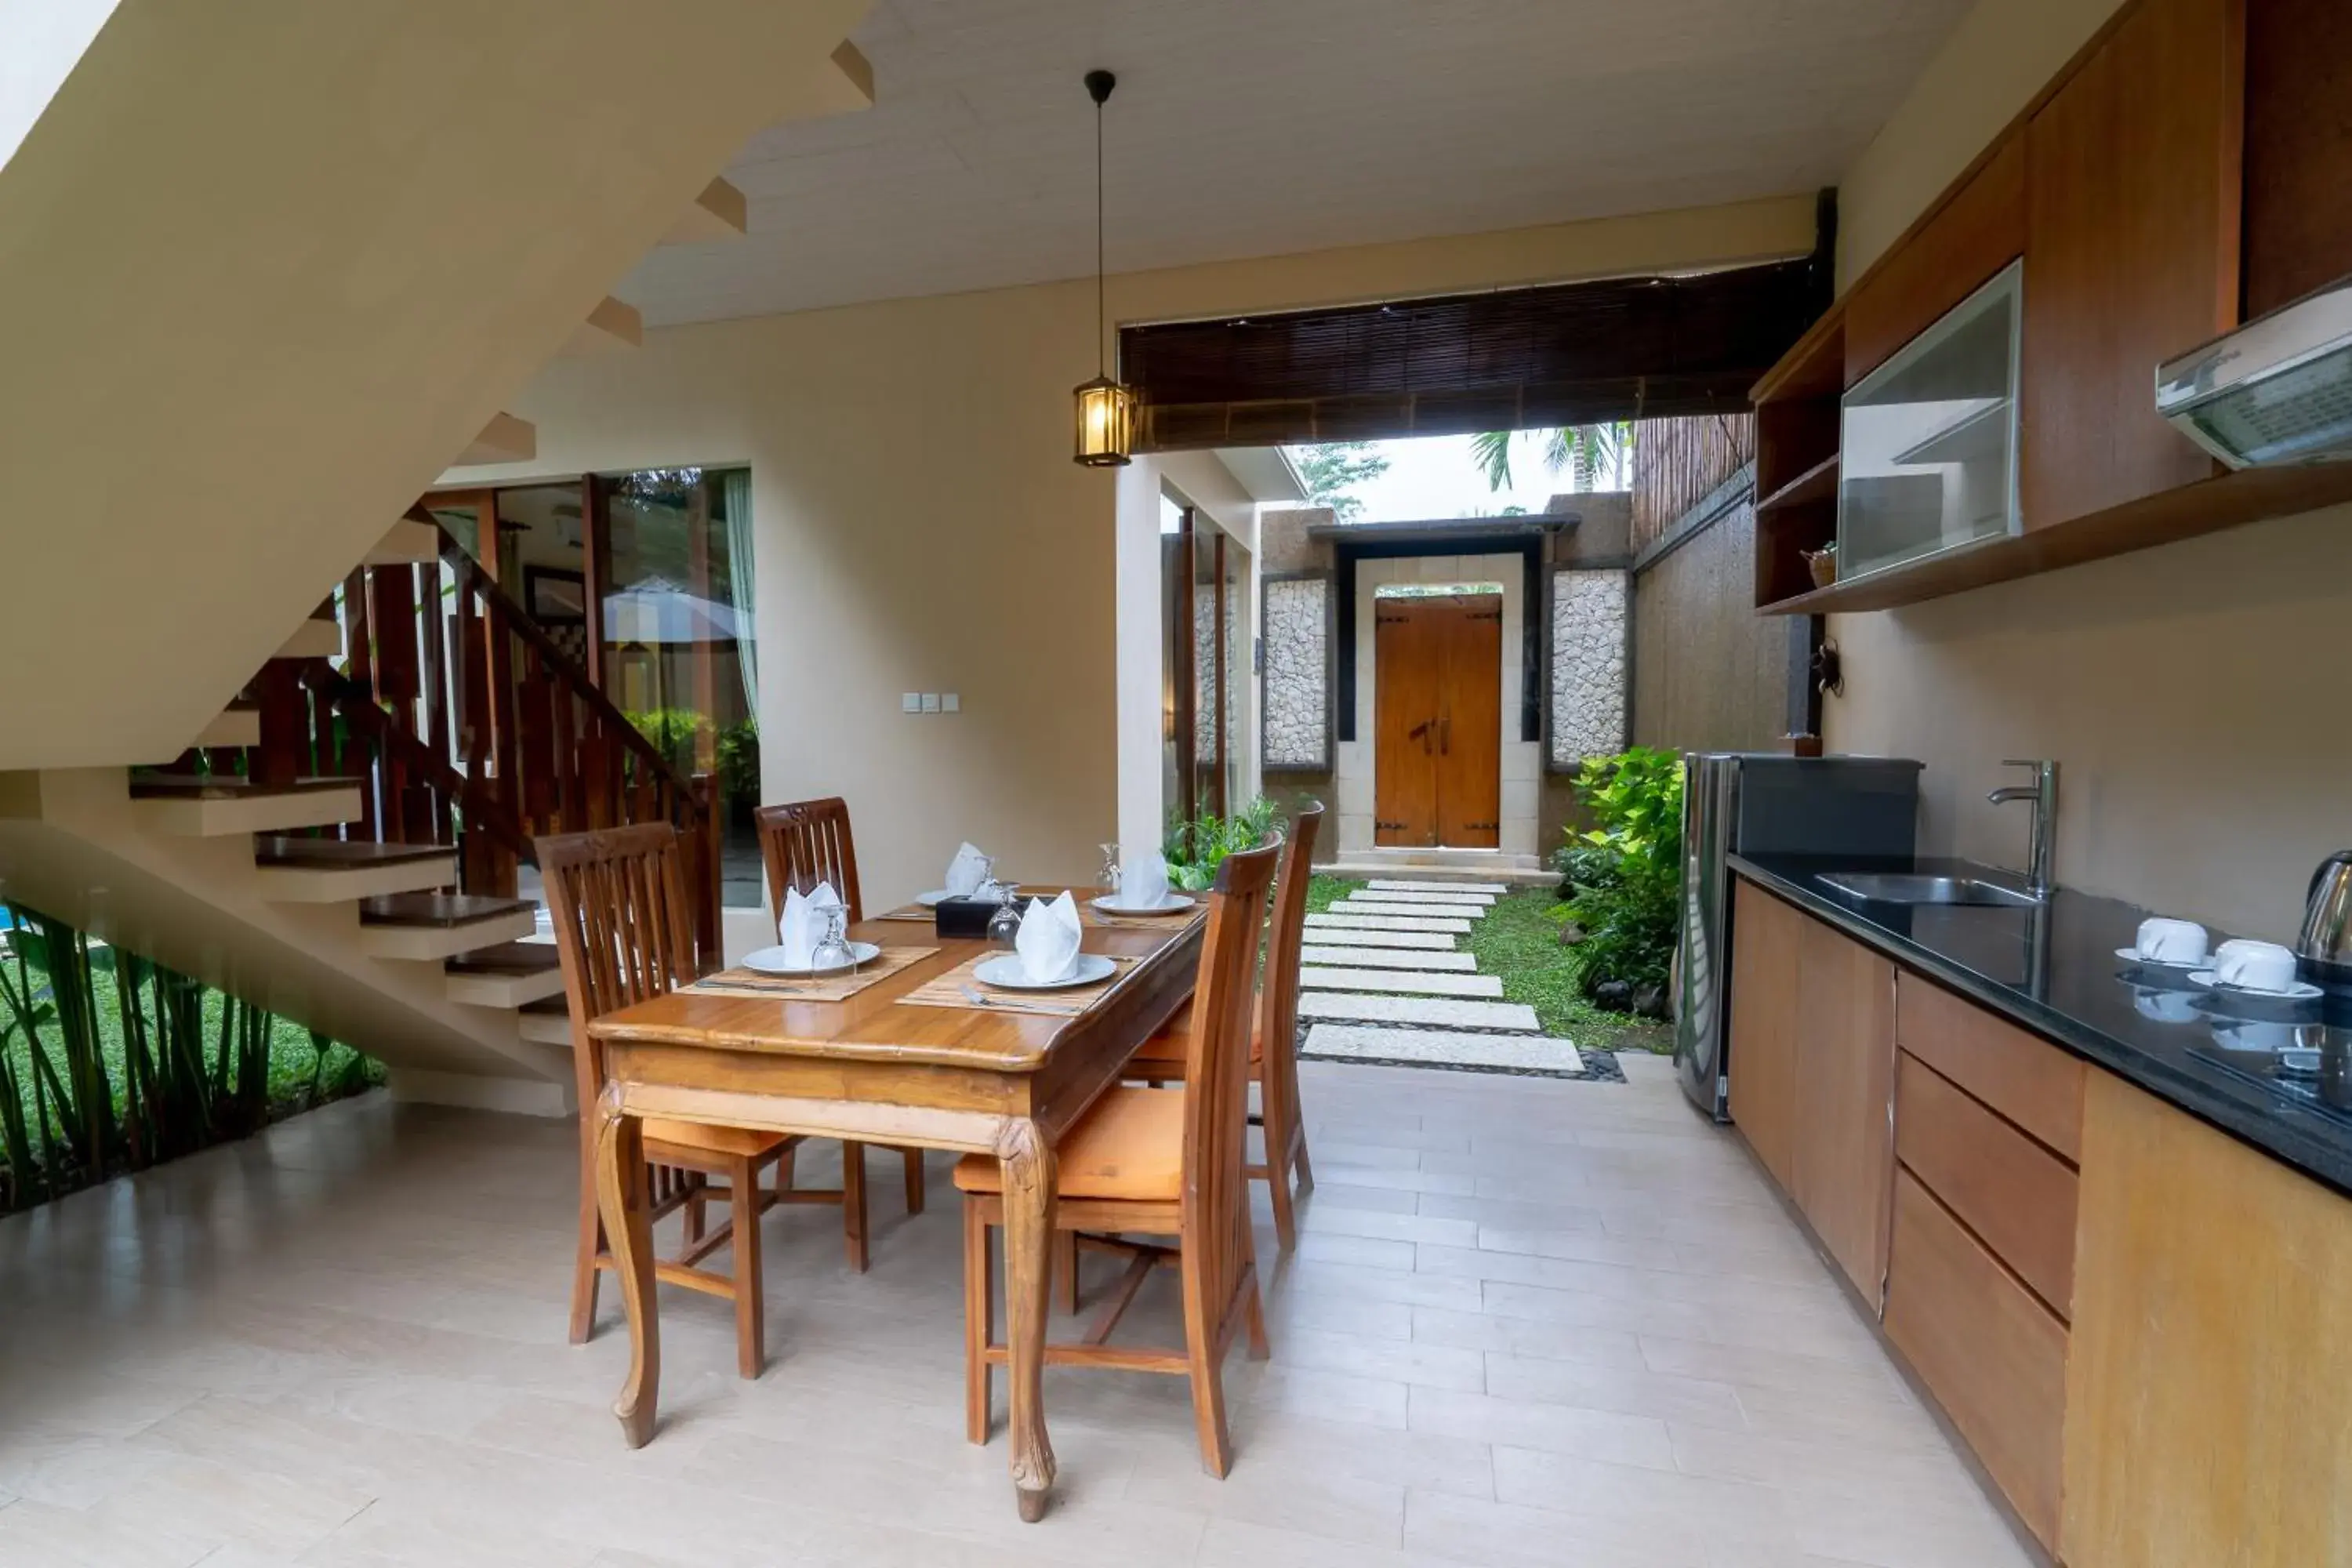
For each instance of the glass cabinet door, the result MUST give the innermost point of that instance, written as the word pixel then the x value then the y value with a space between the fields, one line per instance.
pixel 1927 446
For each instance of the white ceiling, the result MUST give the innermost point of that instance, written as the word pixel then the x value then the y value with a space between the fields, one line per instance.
pixel 1260 127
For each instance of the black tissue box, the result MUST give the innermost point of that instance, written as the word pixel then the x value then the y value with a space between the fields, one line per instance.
pixel 963 917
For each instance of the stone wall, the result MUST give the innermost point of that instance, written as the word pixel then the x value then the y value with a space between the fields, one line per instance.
pixel 1588 665
pixel 1298 622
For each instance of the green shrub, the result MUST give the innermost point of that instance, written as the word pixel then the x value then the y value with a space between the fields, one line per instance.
pixel 1194 850
pixel 1625 874
pixel 738 760
pixel 673 732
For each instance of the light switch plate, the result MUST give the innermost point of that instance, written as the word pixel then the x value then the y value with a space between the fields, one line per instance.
pixel 930 701
pixel 950 702
pixel 910 702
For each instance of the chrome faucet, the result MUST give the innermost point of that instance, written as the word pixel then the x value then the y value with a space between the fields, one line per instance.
pixel 2043 793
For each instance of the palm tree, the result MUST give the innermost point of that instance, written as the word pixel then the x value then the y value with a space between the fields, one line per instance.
pixel 1587 451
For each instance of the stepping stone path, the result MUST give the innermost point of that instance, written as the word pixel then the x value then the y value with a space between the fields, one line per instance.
pixel 1383 979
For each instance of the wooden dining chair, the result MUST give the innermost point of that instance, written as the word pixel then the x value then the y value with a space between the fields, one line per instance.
pixel 1155 1161
pixel 1274 1042
pixel 802 843
pixel 622 935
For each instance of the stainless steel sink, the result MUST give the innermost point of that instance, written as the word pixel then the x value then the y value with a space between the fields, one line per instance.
pixel 1897 888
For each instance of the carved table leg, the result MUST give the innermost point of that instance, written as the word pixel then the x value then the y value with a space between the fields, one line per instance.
pixel 620 1193
pixel 1028 1165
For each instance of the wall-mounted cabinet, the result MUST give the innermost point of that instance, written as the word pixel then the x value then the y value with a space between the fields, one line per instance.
pixel 2134 195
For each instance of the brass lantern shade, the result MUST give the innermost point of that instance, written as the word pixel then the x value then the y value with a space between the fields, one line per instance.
pixel 1106 423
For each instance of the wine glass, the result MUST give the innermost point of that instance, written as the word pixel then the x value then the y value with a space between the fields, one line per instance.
pixel 1005 924
pixel 1107 879
pixel 833 950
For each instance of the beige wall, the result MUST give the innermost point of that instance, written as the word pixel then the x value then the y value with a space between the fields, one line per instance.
pixel 267 266
pixel 921 526
pixel 2194 694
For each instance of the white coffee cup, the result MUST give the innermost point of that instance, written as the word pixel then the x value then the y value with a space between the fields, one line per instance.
pixel 2242 1036
pixel 2171 942
pixel 2255 965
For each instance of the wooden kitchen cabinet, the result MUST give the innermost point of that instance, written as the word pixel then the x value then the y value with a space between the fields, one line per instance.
pixel 1842 1159
pixel 1978 230
pixel 1994 1357
pixel 2133 172
pixel 2207 1420
pixel 1763 1052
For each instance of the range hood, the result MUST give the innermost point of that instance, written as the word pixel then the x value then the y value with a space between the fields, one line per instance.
pixel 2277 390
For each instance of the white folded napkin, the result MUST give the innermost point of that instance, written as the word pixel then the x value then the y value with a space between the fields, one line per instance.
pixel 802 925
pixel 1047 944
pixel 965 872
pixel 1143 880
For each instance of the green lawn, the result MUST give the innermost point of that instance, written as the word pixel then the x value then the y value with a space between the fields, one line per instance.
pixel 1519 940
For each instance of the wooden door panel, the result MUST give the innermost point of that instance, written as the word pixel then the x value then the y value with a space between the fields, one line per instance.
pixel 1470 724
pixel 2132 252
pixel 1762 1058
pixel 1844 1154
pixel 1406 655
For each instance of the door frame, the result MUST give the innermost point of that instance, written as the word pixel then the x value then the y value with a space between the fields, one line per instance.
pixel 1522 759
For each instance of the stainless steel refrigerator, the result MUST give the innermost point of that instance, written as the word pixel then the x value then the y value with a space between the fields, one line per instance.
pixel 1767 802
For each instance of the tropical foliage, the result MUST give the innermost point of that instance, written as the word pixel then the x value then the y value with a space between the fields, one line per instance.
pixel 1625 873
pixel 1332 471
pixel 111 1062
pixel 1194 850
pixel 1590 454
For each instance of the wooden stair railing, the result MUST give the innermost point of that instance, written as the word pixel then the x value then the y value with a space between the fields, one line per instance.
pixel 471 726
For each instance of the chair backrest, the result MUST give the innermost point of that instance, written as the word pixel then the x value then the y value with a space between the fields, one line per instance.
pixel 624 930
pixel 806 842
pixel 1277 996
pixel 1216 1071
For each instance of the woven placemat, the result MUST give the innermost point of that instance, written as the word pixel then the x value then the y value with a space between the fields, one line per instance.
pixel 1170 923
pixel 909 912
pixel 958 988
pixel 830 988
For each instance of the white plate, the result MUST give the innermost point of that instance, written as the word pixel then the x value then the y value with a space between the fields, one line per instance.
pixel 1004 972
pixel 2302 991
pixel 1109 904
pixel 770 961
pixel 2131 955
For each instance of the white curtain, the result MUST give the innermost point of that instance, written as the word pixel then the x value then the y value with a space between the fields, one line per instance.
pixel 737 487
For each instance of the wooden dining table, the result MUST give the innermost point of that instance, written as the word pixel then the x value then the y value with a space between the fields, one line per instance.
pixel 875 1069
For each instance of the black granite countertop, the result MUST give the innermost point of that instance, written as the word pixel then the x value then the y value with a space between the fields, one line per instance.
pixel 2276 1074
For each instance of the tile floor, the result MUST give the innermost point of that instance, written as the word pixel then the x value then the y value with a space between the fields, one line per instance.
pixel 1528 1322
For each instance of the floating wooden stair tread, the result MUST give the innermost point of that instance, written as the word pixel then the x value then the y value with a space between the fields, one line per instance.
pixel 235 726
pixel 408 544
pixel 719 213
pixel 547 1021
pixel 505 439
pixel 326 854
pixel 510 974
pixel 147 786
pixel 318 637
pixel 612 324
pixel 441 911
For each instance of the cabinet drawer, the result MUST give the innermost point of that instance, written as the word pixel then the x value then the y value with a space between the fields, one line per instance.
pixel 2015 1195
pixel 2027 1079
pixel 1993 1356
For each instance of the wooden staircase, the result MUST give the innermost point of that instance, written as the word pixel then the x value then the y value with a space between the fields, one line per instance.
pixel 391 769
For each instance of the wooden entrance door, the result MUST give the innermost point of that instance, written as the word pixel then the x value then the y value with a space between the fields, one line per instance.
pixel 1438 730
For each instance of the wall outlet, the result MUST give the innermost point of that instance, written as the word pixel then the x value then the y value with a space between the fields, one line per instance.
pixel 910 702
pixel 950 702
pixel 930 701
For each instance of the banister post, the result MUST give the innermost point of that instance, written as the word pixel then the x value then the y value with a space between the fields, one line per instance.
pixel 703 849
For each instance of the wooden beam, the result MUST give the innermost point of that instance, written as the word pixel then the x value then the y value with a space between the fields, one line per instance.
pixel 505 439
pixel 612 324
pixel 719 213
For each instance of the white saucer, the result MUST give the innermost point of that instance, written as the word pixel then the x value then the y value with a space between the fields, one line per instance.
pixel 1004 972
pixel 770 961
pixel 1175 903
pixel 2131 955
pixel 2302 991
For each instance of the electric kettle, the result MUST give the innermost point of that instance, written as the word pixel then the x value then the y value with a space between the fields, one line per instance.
pixel 2326 944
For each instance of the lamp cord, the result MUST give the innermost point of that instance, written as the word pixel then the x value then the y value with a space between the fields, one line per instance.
pixel 1101 364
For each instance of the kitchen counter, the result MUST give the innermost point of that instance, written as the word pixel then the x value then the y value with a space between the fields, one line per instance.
pixel 2054 970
